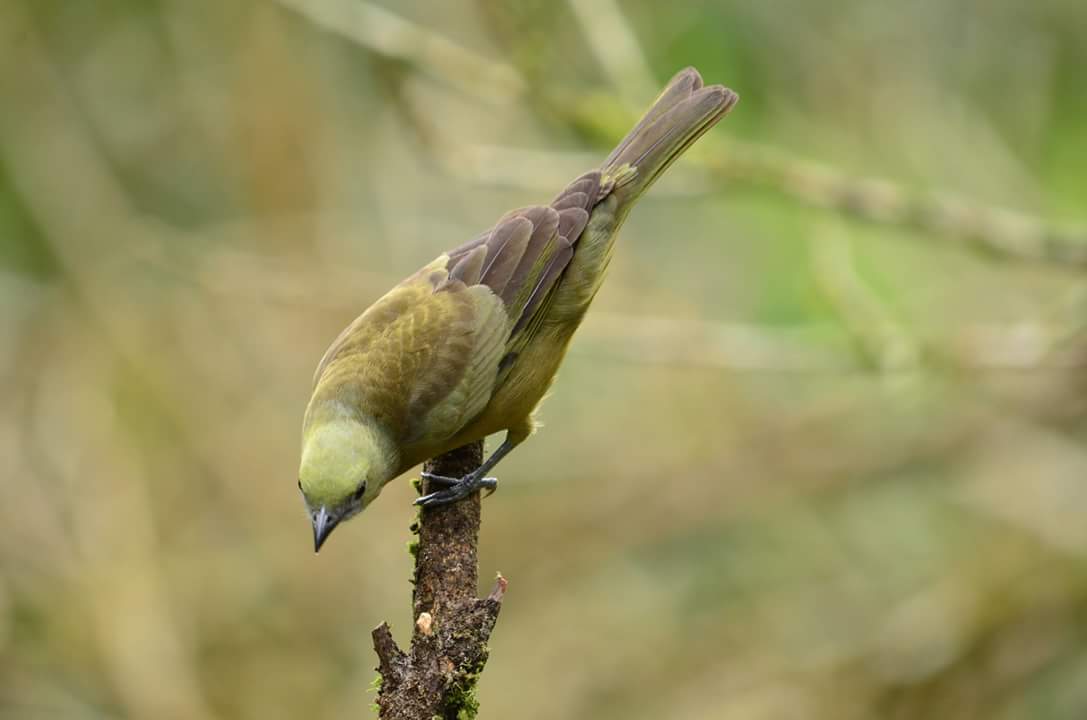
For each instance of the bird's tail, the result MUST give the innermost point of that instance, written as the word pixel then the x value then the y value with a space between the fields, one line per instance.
pixel 680 115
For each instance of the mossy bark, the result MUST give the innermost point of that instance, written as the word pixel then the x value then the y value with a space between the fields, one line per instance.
pixel 437 676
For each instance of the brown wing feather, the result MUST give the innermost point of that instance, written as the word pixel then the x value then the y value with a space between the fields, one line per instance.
pixel 545 224
pixel 547 279
pixel 572 200
pixel 571 222
pixel 504 251
pixel 522 257
pixel 469 269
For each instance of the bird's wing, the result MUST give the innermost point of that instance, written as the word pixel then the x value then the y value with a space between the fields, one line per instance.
pixel 439 337
pixel 522 257
pixel 509 273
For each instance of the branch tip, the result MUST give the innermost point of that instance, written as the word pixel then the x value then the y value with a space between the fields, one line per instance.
pixel 389 655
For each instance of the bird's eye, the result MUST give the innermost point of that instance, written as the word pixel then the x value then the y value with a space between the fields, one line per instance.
pixel 360 492
pixel 299 484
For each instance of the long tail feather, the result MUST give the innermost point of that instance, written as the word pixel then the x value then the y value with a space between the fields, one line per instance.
pixel 679 116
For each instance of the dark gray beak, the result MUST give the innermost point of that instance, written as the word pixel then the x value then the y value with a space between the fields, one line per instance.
pixel 323 525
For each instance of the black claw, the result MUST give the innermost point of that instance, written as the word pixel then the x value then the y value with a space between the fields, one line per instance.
pixel 456 489
pixel 425 500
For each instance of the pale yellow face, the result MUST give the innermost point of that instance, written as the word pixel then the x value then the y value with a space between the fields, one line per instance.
pixel 335 463
pixel 341 473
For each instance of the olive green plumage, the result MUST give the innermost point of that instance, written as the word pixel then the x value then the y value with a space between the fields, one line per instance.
pixel 469 344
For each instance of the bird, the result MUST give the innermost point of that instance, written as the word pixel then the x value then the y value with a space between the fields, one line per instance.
pixel 468 345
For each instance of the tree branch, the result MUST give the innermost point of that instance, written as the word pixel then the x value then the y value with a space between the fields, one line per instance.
pixel 437 677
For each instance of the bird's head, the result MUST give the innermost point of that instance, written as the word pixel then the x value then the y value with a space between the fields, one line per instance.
pixel 344 466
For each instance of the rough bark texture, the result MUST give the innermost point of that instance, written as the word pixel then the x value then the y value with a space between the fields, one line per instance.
pixel 437 677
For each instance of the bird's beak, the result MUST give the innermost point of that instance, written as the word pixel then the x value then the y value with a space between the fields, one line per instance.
pixel 323 525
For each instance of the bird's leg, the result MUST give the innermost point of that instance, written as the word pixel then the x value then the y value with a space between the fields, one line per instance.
pixel 444 481
pixel 459 488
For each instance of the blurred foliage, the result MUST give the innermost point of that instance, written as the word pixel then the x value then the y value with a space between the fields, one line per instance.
pixel 796 465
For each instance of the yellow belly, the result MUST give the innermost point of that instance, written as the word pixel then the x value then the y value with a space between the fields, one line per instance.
pixel 511 407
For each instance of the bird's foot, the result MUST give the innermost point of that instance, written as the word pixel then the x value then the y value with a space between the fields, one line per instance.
pixel 455 488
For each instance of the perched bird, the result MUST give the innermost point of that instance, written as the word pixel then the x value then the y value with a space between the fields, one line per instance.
pixel 469 344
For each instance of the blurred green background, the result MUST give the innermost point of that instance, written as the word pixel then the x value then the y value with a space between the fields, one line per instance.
pixel 818 451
